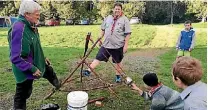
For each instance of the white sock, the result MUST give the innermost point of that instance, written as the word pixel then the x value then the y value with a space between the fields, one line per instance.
pixel 89 70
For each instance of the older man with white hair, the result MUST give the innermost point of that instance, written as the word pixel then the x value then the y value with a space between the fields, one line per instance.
pixel 26 54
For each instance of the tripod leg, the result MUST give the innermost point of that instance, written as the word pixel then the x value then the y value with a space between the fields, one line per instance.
pixel 70 75
pixel 81 75
pixel 82 61
pixel 108 84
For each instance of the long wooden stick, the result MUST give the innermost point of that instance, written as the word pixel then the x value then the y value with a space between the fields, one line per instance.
pixel 82 61
pixel 100 87
pixel 85 51
pixel 71 79
pixel 97 99
pixel 97 74
pixel 123 75
pixel 108 84
pixel 70 75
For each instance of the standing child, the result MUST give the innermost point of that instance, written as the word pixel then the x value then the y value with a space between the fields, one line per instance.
pixel 162 97
pixel 186 40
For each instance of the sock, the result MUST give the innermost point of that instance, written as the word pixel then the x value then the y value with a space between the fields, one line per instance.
pixel 89 69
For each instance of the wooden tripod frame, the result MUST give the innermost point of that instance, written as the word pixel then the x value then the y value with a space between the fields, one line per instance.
pixel 81 63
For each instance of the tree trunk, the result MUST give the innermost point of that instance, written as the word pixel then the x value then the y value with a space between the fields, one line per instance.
pixel 203 19
pixel 171 20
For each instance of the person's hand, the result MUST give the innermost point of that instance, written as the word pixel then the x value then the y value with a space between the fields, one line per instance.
pixel 125 49
pixel 134 87
pixel 100 43
pixel 47 61
pixel 190 49
pixel 37 73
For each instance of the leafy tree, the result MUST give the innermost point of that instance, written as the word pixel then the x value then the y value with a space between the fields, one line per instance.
pixel 134 8
pixel 9 8
pixel 197 7
pixel 148 11
pixel 105 8
pixel 164 12
pixel 48 9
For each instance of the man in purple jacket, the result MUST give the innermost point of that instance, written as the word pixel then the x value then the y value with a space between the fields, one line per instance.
pixel 26 54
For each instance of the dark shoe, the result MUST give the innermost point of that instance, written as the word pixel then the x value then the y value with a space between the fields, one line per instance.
pixel 86 73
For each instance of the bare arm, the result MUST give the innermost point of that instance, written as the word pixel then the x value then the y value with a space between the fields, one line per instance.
pixel 127 33
pixel 102 33
pixel 126 43
pixel 137 89
pixel 101 36
pixel 141 92
pixel 127 40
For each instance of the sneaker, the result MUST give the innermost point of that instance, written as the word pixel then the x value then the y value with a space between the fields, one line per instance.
pixel 86 73
pixel 118 78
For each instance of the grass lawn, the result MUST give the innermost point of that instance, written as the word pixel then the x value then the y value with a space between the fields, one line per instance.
pixel 167 59
pixel 64 45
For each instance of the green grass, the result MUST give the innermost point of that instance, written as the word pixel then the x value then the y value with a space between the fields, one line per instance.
pixel 73 36
pixel 64 45
pixel 143 36
pixel 62 63
pixel 168 58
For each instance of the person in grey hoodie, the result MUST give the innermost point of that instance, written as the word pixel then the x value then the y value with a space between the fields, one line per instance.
pixel 161 96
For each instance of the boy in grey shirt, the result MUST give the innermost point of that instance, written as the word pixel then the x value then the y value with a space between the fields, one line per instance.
pixel 162 97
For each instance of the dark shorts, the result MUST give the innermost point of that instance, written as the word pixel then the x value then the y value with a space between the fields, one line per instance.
pixel 104 54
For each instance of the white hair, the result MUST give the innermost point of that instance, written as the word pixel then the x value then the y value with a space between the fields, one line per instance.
pixel 28 6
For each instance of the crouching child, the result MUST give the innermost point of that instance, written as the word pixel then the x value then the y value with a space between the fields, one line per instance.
pixel 161 96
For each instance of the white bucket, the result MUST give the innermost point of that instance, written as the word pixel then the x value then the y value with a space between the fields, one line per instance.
pixel 77 100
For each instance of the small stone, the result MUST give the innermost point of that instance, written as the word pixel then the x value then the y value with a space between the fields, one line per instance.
pixel 98 104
